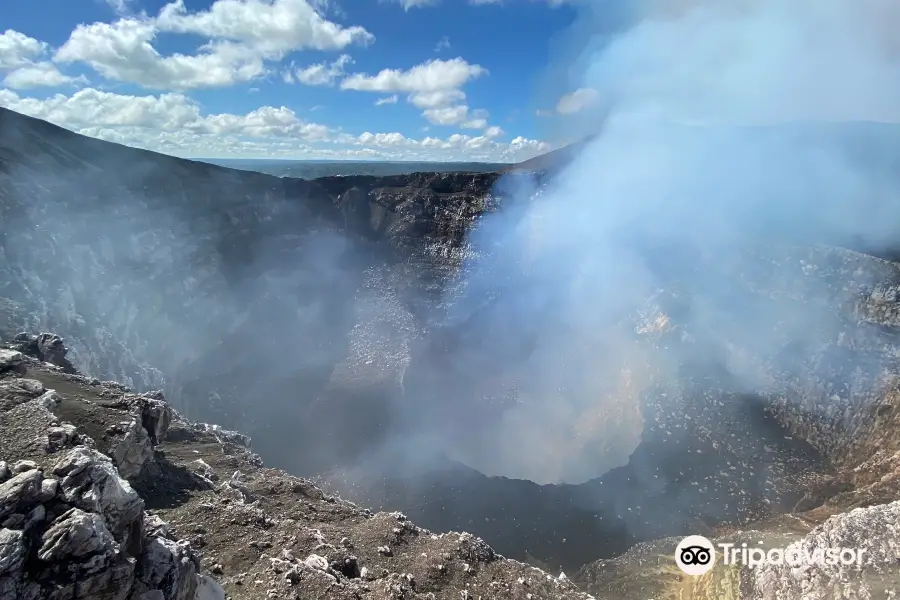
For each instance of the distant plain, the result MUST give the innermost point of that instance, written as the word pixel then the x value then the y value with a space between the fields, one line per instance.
pixel 312 169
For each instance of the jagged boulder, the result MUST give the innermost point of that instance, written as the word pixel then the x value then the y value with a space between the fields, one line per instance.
pixel 10 360
pixel 88 480
pixel 131 449
pixel 167 569
pixel 64 539
pixel 155 414
pixel 46 347
pixel 13 553
pixel 81 559
pixel 131 441
pixel 77 530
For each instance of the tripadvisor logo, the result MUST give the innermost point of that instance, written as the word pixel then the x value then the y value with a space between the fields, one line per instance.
pixel 696 555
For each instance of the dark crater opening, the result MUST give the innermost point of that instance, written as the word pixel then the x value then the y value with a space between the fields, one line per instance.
pixel 708 459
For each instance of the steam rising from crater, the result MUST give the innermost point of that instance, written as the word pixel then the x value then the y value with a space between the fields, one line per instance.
pixel 721 124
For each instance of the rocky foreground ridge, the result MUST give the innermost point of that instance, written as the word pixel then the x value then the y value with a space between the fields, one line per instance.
pixel 108 494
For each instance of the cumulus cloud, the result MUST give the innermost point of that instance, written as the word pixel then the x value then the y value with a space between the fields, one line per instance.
pixel 457 115
pixel 122 51
pixel 17 49
pixel 244 35
pixel 431 76
pixel 22 60
pixel 175 124
pixel 450 115
pixel 245 40
pixel 433 86
pixel 436 99
pixel 270 26
pixel 40 74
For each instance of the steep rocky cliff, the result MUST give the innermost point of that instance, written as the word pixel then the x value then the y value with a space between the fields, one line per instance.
pixel 155 265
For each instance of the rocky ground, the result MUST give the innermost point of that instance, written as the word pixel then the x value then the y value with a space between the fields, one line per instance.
pixel 108 494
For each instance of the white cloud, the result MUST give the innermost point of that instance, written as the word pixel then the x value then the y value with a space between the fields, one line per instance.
pixel 449 115
pixel 40 74
pixel 443 44
pixel 389 100
pixel 322 73
pixel 436 99
pixel 20 57
pixel 272 27
pixel 90 107
pixel 122 51
pixel 431 76
pixel 522 144
pixel 383 139
pixel 457 115
pixel 433 86
pixel 174 124
pixel 474 124
pixel 577 101
pixel 18 50
pixel 167 113
pixel 243 34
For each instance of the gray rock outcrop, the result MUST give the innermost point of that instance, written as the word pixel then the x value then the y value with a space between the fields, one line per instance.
pixel 77 531
pixel 71 526
pixel 47 347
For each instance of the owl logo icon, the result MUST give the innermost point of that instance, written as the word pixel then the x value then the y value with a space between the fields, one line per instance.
pixel 695 555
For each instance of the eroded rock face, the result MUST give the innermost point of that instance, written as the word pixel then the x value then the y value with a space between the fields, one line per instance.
pixel 71 527
pixel 77 532
pixel 76 541
pixel 47 347
pixel 132 441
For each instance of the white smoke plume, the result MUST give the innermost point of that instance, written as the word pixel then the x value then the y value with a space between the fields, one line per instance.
pixel 721 124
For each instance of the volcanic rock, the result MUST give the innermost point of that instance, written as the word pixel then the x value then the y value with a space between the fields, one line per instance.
pixel 73 527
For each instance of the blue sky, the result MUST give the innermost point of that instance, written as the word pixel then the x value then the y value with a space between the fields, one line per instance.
pixel 355 79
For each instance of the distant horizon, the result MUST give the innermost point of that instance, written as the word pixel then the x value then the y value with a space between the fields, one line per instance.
pixel 340 160
pixel 316 168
